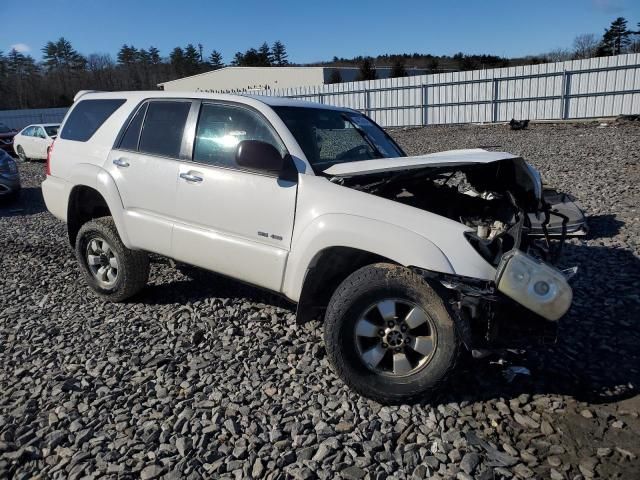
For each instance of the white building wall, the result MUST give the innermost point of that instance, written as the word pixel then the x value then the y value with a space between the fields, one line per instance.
pixel 242 79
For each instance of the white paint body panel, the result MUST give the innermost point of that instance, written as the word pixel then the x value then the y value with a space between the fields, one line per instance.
pixel 34 147
pixel 451 158
pixel 215 224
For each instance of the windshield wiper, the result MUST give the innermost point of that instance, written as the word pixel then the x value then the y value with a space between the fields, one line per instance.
pixel 365 137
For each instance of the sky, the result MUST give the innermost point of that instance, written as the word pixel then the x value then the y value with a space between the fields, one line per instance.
pixel 312 30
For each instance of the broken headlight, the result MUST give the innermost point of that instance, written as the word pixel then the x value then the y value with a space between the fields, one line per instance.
pixel 534 285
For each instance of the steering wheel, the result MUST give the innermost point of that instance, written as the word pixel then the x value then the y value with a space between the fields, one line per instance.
pixel 361 152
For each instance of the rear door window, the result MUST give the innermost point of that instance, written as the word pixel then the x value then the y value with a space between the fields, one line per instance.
pixel 131 136
pixel 87 117
pixel 163 128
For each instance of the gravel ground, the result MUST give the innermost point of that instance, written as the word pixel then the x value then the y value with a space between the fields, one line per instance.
pixel 210 378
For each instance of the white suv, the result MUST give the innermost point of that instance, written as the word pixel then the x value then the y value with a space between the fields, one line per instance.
pixel 408 258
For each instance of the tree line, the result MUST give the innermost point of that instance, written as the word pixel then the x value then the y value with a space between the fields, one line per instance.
pixel 53 81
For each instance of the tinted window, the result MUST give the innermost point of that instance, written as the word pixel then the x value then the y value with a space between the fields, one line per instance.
pixel 222 127
pixel 87 117
pixel 330 136
pixel 51 130
pixel 130 138
pixel 163 127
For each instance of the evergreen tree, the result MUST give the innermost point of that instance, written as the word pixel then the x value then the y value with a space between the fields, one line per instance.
pixel 177 60
pixel 154 56
pixel 61 55
pixel 238 59
pixel 264 55
pixel 279 53
pixel 398 70
pixel 616 38
pixel 127 55
pixel 367 70
pixel 215 60
pixel 191 60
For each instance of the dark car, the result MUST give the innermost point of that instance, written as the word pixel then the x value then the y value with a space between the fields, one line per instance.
pixel 6 138
pixel 9 177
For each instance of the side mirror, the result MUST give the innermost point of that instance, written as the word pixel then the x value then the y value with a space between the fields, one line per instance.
pixel 260 156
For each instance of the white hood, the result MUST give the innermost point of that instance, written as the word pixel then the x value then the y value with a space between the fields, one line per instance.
pixel 451 158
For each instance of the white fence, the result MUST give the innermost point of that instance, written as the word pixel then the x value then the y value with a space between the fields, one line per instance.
pixel 597 87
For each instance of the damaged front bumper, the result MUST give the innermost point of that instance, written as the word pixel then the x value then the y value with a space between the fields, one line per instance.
pixel 521 307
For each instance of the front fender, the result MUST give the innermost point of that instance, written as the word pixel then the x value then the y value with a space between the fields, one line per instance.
pixel 343 230
pixel 99 179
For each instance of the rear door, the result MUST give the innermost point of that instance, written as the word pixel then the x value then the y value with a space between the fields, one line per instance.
pixel 40 144
pixel 145 168
pixel 230 220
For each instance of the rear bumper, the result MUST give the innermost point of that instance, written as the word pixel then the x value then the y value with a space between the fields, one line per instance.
pixel 56 196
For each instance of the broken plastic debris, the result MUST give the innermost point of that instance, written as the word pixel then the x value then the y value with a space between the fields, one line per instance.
pixel 511 372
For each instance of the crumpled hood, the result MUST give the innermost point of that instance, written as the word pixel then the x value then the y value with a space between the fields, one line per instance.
pixel 450 158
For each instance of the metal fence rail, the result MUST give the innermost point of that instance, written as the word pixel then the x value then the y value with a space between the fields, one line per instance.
pixel 21 118
pixel 597 87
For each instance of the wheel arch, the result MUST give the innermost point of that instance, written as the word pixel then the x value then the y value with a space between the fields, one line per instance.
pixel 94 194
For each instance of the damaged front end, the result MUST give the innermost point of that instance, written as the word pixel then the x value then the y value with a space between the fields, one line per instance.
pixel 513 223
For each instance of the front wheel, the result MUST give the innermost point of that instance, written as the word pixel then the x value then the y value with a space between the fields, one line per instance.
pixel 112 270
pixel 389 335
pixel 21 154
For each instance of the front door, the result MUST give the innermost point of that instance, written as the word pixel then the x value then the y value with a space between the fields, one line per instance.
pixel 233 221
pixel 145 169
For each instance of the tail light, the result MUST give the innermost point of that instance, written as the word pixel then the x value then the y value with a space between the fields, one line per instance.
pixel 48 165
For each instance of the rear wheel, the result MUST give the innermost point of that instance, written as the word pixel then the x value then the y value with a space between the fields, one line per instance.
pixel 389 335
pixel 112 270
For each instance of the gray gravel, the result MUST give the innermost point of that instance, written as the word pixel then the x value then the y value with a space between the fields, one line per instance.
pixel 208 378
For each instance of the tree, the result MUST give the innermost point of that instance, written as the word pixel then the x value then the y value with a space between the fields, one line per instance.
pixel 191 60
pixel 279 53
pixel 335 76
pixel 558 55
pixel 398 70
pixel 634 47
pixel 61 55
pixel 433 64
pixel 177 60
pixel 616 38
pixel 127 55
pixel 154 56
pixel 264 55
pixel 367 70
pixel 585 46
pixel 215 60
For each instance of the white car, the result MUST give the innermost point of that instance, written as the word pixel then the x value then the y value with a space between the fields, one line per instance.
pixel 319 204
pixel 33 142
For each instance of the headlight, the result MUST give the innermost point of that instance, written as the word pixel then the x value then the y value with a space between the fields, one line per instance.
pixel 8 165
pixel 534 285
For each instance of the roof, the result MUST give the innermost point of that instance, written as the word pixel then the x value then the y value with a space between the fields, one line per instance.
pixel 245 98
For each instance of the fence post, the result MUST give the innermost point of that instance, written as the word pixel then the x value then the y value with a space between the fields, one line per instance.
pixel 494 101
pixel 564 96
pixel 320 98
pixel 367 102
pixel 425 103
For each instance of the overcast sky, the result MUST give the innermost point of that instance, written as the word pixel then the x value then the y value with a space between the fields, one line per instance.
pixel 311 30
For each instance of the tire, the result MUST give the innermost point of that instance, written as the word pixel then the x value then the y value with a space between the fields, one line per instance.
pixel 21 154
pixel 360 298
pixel 124 278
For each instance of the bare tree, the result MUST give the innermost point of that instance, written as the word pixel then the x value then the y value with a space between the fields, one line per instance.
pixel 558 55
pixel 585 46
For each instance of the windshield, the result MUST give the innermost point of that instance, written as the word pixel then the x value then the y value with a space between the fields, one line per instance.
pixel 328 137
pixel 52 130
pixel 4 128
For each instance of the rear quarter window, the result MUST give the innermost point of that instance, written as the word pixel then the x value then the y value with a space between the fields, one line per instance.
pixel 87 117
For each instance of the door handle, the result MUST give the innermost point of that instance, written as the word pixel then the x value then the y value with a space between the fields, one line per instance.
pixel 191 178
pixel 121 162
